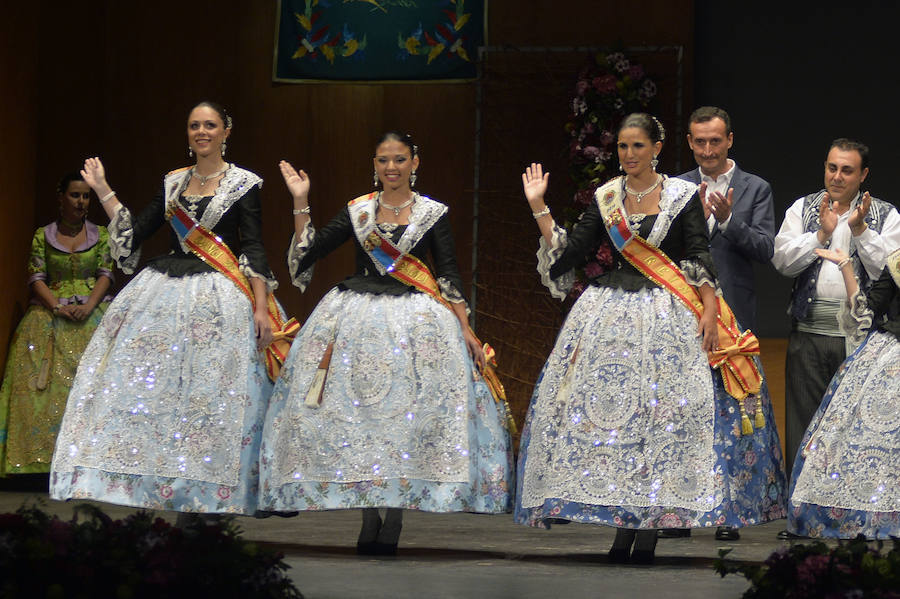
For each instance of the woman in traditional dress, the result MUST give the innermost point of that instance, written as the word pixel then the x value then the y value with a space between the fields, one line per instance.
pixel 167 407
pixel 846 478
pixel 70 271
pixel 379 404
pixel 628 425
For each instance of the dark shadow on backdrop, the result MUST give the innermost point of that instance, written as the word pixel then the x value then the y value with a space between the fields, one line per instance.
pixel 793 78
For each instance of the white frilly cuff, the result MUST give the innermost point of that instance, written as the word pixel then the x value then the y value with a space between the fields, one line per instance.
pixel 121 237
pixel 450 293
pixel 547 255
pixel 247 271
pixel 297 250
pixel 697 274
pixel 855 320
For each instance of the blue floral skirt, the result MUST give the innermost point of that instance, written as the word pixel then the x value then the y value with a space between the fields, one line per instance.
pixel 167 406
pixel 846 478
pixel 628 426
pixel 404 421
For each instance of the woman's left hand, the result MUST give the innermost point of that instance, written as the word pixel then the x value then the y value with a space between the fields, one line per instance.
pixel 708 330
pixel 263 329
pixel 80 311
pixel 475 349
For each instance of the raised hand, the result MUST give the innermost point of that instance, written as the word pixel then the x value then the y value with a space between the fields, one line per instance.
pixel 297 181
pixel 720 205
pixel 857 220
pixel 828 218
pixel 94 174
pixel 534 182
pixel 702 193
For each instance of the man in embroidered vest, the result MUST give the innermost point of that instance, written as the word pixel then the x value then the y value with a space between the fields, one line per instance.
pixel 740 213
pixel 838 216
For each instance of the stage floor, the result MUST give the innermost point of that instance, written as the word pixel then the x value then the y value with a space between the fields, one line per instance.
pixel 471 555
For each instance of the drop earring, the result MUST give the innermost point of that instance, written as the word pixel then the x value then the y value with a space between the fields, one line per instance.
pixel 412 179
pixel 190 152
pixel 654 162
pixel 375 179
pixel 224 145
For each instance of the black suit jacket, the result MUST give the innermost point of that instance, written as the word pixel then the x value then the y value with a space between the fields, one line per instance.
pixel 750 237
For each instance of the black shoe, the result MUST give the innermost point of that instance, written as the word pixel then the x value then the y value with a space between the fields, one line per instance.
pixel 673 533
pixel 385 548
pixel 644 547
pixel 620 552
pixel 728 533
pixel 369 548
pixel 786 535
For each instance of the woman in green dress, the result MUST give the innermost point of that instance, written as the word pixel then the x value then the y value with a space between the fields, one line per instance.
pixel 70 271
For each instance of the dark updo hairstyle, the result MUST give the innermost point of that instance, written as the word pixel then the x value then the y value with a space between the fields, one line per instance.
pixel 220 110
pixel 404 138
pixel 63 186
pixel 649 124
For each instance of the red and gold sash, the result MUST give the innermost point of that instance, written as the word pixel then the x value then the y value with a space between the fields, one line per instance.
pixel 734 358
pixel 411 271
pixel 212 250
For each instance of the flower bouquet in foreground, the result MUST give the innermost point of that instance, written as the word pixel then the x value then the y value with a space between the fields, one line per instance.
pixel 140 556
pixel 853 569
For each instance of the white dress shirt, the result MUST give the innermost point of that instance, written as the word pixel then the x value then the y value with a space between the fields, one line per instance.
pixel 719 184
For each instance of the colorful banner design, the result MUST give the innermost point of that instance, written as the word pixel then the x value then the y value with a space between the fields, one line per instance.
pixel 378 40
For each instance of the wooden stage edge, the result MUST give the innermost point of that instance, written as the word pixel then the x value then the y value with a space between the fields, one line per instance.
pixel 772 353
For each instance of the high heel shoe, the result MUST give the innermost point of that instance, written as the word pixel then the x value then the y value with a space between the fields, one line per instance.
pixel 644 547
pixel 371 526
pixel 389 535
pixel 620 551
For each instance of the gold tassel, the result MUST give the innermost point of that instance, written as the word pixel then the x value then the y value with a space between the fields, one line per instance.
pixel 760 419
pixel 746 427
pixel 314 395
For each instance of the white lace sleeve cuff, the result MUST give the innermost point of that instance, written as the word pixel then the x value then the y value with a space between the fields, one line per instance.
pixel 296 252
pixel 697 274
pixel 547 255
pixel 450 293
pixel 247 271
pixel 121 238
pixel 855 320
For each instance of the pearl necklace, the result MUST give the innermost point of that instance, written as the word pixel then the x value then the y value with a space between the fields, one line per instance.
pixel 204 179
pixel 639 195
pixel 396 209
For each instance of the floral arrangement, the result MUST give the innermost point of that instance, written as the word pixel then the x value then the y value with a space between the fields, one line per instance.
pixel 140 556
pixel 807 571
pixel 609 87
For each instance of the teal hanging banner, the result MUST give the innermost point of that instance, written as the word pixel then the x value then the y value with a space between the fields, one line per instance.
pixel 378 40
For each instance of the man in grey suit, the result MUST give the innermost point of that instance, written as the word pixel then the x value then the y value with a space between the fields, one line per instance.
pixel 739 207
pixel 740 213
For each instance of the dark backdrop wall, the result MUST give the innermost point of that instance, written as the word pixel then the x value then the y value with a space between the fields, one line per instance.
pixel 795 76
pixel 116 79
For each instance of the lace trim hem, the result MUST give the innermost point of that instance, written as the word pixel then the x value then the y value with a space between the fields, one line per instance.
pixel 247 271
pixel 121 237
pixel 296 252
pixel 855 320
pixel 697 274
pixel 547 255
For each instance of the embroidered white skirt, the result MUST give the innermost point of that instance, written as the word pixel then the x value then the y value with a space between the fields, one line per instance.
pixel 404 420
pixel 167 406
